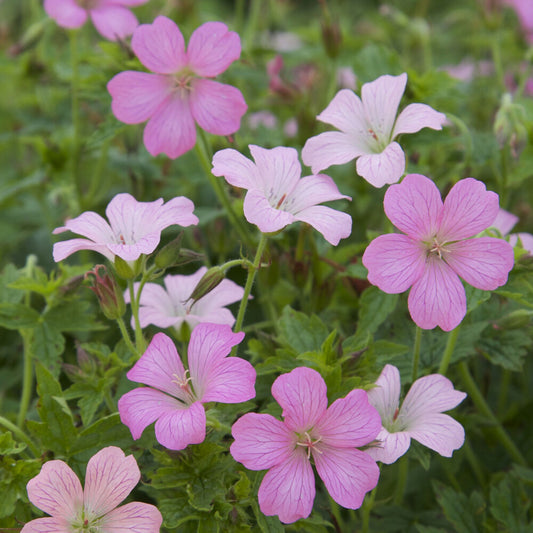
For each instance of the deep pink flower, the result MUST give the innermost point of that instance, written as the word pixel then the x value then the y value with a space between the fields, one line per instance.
pixel 111 18
pixel 172 306
pixel 134 227
pixel 109 479
pixel 175 396
pixel 436 248
pixel 278 196
pixel 178 94
pixel 331 435
pixel 368 127
pixel 504 223
pixel 420 417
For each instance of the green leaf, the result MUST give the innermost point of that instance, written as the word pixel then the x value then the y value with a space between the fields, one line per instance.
pixel 8 446
pixel 301 332
pixel 47 344
pixel 72 316
pixel 506 348
pixel 17 316
pixel 509 503
pixel 242 488
pixel 267 524
pixel 374 308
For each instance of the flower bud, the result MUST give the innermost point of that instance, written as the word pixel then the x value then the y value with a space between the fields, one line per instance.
pixel 107 291
pixel 209 281
pixel 123 268
pixel 515 320
pixel 30 38
pixel 169 254
pixel 509 126
pixel 331 37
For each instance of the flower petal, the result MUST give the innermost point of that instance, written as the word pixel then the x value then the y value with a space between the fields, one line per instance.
pixel 391 446
pixel 302 395
pixel 417 116
pixel 288 489
pixel 258 211
pixel 160 46
pixel 525 238
pixel 439 432
pixel 385 396
pixel 347 473
pixel 238 170
pixel 394 262
pixel 156 307
pixel 311 191
pixel 212 49
pixel 90 225
pixel 504 221
pixel 438 297
pixel 347 114
pixel 66 13
pixel 231 380
pixel 414 206
pixel 135 517
pixel 217 107
pixel 177 429
pixel 332 224
pixel 63 249
pixel 47 525
pixel 110 477
pixel 227 292
pixel 261 441
pixel 56 490
pixel 484 263
pixel 468 209
pixel 113 21
pixel 384 168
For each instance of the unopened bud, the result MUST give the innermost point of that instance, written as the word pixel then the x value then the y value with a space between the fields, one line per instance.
pixel 212 278
pixel 85 361
pixel 515 320
pixel 107 291
pixel 30 38
pixel 169 254
pixel 331 37
pixel 509 126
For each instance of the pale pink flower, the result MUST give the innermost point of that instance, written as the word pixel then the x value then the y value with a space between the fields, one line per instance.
pixel 134 227
pixel 331 435
pixel 278 196
pixel 262 118
pixel 504 223
pixel 172 306
pixel 179 94
pixel 175 396
pixel 420 417
pixel 110 477
pixel 111 18
pixel 346 78
pixel 524 11
pixel 436 248
pixel 368 127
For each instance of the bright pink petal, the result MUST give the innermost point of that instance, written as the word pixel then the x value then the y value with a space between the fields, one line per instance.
pixel 212 49
pixel 288 489
pixel 302 395
pixel 504 221
pixel 137 95
pixel 385 396
pixel 311 191
pixel 384 168
pixel 484 263
pixel 176 430
pixel 217 107
pixel 160 46
pixel 238 170
pixel 394 262
pixel 67 13
pixel 414 206
pixel 171 130
pixel 438 297
pixel 347 473
pixel 261 441
pixel 113 21
pixel 417 116
pixel 468 209
pixel 56 490
pixel 390 447
pixel 349 422
pixel 260 212
pixel 47 525
pixel 332 224
pixel 133 517
pixel 110 477
pixel 439 432
pixel 63 249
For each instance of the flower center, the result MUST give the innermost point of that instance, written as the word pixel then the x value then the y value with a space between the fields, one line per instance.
pixel 307 441
pixel 183 384
pixel 182 82
pixel 82 524
pixel 436 248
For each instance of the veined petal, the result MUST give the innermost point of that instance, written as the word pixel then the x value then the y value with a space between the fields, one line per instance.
pixel 468 209
pixel 217 107
pixel 258 211
pixel 483 263
pixel 302 395
pixel 177 211
pixel 332 224
pixel 90 225
pixel 130 3
pixel 176 430
pixel 110 477
pixel 56 490
pixel 347 473
pixel 439 432
pixel 346 113
pixel 212 49
pixel 132 252
pixel 438 297
pixel 384 168
pixel 160 46
pixel 349 422
pixel 311 191
pixel 288 489
pixel 47 525
pixel 66 13
pixel 227 292
pixel 385 396
pixel 134 517
pixel 113 21
pixel 414 206
pixel 63 249
pixel 394 262
pixel 238 170
pixel 261 441
pixel 137 95
pixel 156 306
pixel 391 446
pixel 417 116
pixel 504 221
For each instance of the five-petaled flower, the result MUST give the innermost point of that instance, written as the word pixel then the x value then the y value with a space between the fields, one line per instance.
pixel 178 94
pixel 310 429
pixel 436 248
pixel 175 396
pixel 134 227
pixel 109 479
pixel 111 18
pixel 420 417
pixel 368 127
pixel 278 196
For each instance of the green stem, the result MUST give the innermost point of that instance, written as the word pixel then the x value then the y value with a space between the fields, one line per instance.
pixel 20 434
pixel 403 469
pixel 504 389
pixel 416 352
pixel 448 351
pixel 468 142
pixel 368 504
pixel 75 153
pixel 251 24
pixel 497 60
pixel 126 336
pixel 27 380
pixel 140 344
pixel 483 407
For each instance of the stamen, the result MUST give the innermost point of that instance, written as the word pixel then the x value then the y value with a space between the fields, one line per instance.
pixel 122 239
pixel 310 444
pixel 396 413
pixel 281 201
pixel 373 133
pixel 182 383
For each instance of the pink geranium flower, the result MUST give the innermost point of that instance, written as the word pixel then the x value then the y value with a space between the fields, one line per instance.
pixel 278 196
pixel 175 396
pixel 420 417
pixel 178 94
pixel 134 227
pixel 111 18
pixel 368 127
pixel 504 223
pixel 172 306
pixel 109 479
pixel 331 435
pixel 436 248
